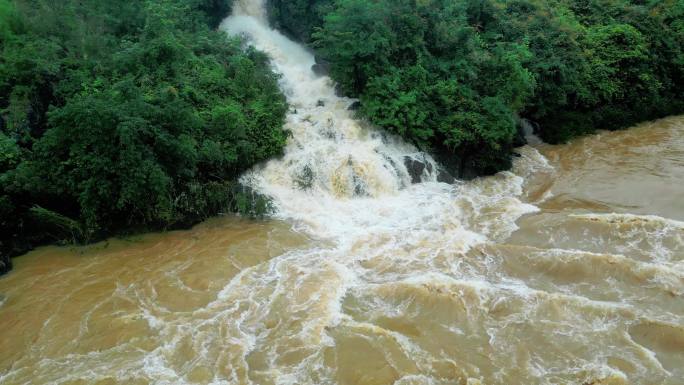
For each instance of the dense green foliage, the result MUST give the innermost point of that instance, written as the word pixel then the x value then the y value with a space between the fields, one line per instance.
pixel 119 116
pixel 455 77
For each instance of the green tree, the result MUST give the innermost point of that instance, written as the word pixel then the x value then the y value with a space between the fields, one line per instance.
pixel 126 117
pixel 456 77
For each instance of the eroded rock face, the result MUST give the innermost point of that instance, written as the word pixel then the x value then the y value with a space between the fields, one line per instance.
pixel 417 167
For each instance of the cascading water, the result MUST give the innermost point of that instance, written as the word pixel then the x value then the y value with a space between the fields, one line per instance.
pixel 381 280
pixel 255 9
pixel 331 153
pixel 339 178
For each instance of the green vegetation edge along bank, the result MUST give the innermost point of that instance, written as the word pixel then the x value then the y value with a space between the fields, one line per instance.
pixel 126 116
pixel 119 117
pixel 457 78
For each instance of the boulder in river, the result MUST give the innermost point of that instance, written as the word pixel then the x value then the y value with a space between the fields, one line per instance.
pixel 443 176
pixel 322 67
pixel 416 167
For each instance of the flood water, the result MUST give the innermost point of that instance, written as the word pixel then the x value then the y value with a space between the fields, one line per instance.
pixel 569 269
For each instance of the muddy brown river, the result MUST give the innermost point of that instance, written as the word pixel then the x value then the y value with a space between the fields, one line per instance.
pixel 588 290
pixel 566 270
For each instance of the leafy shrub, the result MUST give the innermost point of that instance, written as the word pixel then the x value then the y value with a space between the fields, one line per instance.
pixel 125 117
pixel 455 77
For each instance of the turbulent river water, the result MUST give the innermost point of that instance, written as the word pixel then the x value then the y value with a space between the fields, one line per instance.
pixel 567 270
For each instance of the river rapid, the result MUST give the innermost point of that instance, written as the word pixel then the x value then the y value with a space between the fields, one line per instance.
pixel 569 269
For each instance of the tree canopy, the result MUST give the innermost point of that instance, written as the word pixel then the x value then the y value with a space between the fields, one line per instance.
pixel 456 77
pixel 121 116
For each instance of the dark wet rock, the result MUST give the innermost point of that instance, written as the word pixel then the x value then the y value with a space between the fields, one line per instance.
pixel 415 169
pixel 462 166
pixel 338 90
pixel 360 185
pixel 322 67
pixel 304 178
pixel 450 164
pixel 470 172
pixel 320 103
pixel 443 176
pixel 354 106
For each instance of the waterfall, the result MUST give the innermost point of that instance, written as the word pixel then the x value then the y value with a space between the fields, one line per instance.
pixel 334 162
pixel 255 9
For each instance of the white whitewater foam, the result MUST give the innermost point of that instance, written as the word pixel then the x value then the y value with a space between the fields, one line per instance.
pixel 356 181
